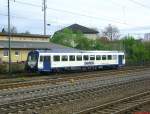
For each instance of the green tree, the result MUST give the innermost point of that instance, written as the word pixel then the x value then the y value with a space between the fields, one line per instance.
pixel 64 37
pixel 72 39
pixel 135 51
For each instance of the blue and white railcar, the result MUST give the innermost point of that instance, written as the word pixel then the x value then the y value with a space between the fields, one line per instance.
pixel 42 60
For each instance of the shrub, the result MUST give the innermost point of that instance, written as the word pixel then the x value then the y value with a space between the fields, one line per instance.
pixel 15 67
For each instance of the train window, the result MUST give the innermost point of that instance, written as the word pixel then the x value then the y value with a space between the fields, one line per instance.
pixel 86 57
pixel 103 57
pixel 79 57
pixel 56 58
pixel 92 57
pixel 98 57
pixel 109 57
pixel 114 57
pixel 64 58
pixel 71 58
pixel 47 58
pixel 41 58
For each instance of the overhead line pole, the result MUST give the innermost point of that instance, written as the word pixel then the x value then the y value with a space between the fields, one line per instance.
pixel 9 37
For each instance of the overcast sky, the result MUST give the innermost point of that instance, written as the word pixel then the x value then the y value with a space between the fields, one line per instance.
pixel 127 15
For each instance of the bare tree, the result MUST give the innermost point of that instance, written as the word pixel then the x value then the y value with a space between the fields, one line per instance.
pixel 13 29
pixel 111 32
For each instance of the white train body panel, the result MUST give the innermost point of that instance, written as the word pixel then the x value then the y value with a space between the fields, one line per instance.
pixel 95 58
pixel 60 64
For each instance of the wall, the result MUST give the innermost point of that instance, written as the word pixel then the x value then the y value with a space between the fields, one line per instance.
pixel 15 58
pixel 23 38
pixel 91 36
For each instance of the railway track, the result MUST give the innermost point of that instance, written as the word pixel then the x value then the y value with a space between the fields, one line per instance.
pixel 36 91
pixel 67 93
pixel 71 78
pixel 121 106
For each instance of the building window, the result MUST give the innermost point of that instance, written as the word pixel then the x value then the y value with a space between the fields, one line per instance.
pixel 79 57
pixel 64 58
pixel 71 58
pixel 17 53
pixel 56 58
pixel 5 53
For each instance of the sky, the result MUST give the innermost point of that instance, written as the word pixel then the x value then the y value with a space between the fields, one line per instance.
pixel 130 16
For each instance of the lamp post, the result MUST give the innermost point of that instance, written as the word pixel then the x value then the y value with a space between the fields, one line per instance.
pixel 9 35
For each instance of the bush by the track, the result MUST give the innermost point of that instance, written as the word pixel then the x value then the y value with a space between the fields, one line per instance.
pixel 15 67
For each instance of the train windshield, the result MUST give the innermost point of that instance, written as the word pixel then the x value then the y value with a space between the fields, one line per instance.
pixel 32 60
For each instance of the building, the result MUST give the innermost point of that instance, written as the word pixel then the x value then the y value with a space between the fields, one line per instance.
pixel 88 32
pixel 147 37
pixel 21 44
pixel 25 37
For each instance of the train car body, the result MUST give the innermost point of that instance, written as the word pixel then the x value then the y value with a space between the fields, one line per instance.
pixel 49 61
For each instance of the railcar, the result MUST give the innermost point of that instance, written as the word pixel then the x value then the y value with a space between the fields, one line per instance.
pixel 50 61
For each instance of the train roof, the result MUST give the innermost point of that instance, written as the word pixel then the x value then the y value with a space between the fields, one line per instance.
pixel 76 51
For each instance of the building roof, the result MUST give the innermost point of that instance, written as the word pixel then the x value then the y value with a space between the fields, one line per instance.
pixel 33 45
pixel 25 35
pixel 83 29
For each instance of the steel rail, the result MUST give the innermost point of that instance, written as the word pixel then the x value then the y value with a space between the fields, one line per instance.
pixel 68 78
pixel 54 99
pixel 120 106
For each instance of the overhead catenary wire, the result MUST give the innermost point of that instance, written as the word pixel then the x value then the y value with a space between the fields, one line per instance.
pixel 20 17
pixel 75 13
pixel 140 4
pixel 63 11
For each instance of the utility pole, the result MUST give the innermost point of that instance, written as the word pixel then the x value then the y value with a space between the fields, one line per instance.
pixel 44 7
pixel 9 35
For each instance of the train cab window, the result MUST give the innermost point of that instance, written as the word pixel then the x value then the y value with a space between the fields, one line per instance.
pixel 86 57
pixel 41 58
pixel 56 58
pixel 71 58
pixel 32 58
pixel 98 57
pixel 92 57
pixel 109 57
pixel 79 57
pixel 64 58
pixel 103 57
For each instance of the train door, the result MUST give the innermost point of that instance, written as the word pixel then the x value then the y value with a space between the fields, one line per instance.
pixel 47 63
pixel 120 59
